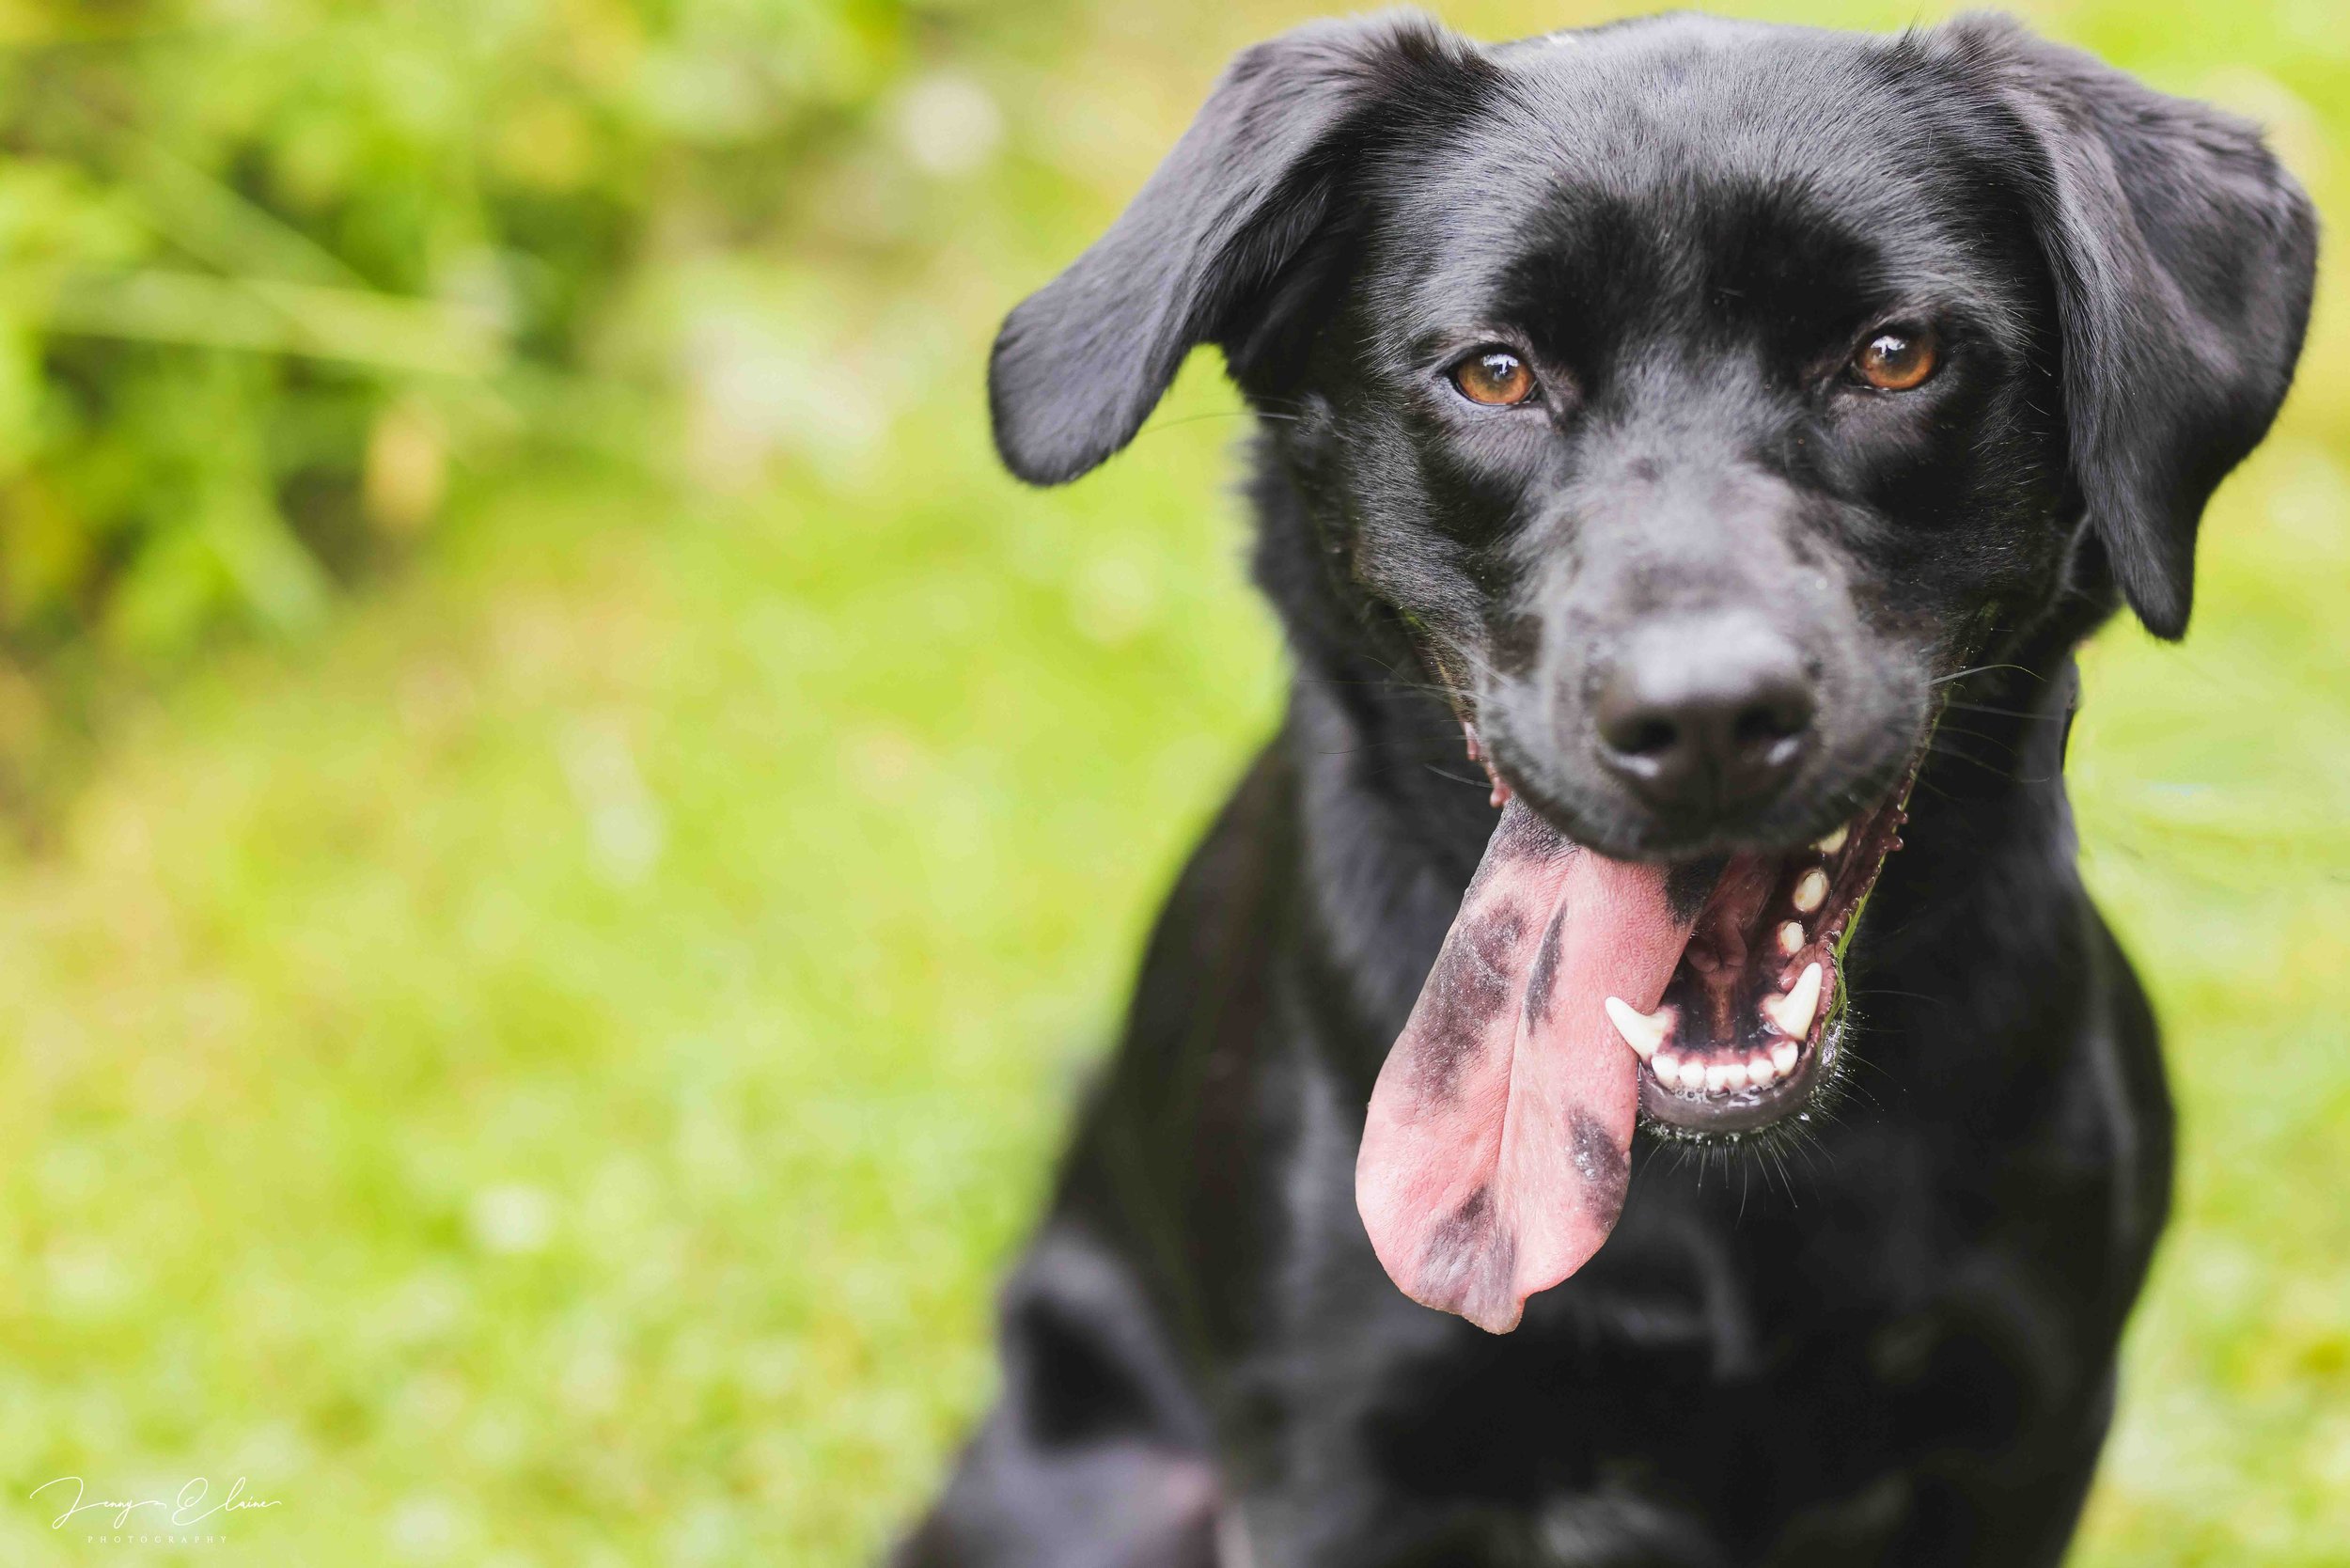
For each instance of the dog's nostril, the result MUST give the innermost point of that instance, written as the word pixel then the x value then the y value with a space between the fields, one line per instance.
pixel 1646 736
pixel 1771 721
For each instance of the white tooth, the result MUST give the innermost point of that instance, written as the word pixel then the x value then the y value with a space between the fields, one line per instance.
pixel 1643 1031
pixel 1717 1078
pixel 1793 1012
pixel 1667 1069
pixel 1811 890
pixel 1760 1069
pixel 1734 1074
pixel 1834 842
pixel 1791 938
pixel 1784 1056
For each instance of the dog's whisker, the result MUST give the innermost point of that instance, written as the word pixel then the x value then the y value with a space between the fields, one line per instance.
pixel 1156 426
pixel 1981 670
pixel 1956 706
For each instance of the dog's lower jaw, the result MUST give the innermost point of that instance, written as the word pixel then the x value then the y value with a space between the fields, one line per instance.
pixel 1677 1117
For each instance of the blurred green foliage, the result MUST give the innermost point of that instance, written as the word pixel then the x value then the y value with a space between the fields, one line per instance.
pixel 270 270
pixel 543 1061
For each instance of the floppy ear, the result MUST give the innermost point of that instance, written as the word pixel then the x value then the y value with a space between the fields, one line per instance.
pixel 1082 362
pixel 2183 256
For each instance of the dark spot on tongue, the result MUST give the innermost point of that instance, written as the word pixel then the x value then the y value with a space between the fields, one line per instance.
pixel 1469 1259
pixel 1543 979
pixel 1689 885
pixel 1600 1161
pixel 1470 986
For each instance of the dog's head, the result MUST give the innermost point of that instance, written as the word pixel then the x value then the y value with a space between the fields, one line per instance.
pixel 1699 395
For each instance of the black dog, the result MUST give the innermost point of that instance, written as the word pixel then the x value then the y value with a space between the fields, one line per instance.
pixel 1732 428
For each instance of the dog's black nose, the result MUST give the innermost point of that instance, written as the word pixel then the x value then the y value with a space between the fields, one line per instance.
pixel 1704 715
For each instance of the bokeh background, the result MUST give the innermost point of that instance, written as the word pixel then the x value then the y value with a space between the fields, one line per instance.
pixel 567 839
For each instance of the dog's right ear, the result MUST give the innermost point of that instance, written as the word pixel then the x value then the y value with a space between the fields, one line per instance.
pixel 1082 362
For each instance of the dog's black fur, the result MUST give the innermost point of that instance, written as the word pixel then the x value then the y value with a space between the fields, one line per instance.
pixel 1890 1337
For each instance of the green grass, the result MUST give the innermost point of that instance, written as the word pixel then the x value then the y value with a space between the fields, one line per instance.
pixel 550 1072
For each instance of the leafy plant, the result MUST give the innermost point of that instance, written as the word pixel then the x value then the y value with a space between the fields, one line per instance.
pixel 268 270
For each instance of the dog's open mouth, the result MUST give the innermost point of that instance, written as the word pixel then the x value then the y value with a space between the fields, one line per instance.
pixel 1571 992
pixel 1752 1014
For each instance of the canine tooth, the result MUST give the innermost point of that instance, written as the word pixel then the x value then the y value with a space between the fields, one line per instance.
pixel 1717 1076
pixel 1834 842
pixel 1667 1069
pixel 1760 1069
pixel 1643 1031
pixel 1811 890
pixel 1784 1056
pixel 1791 938
pixel 1793 1012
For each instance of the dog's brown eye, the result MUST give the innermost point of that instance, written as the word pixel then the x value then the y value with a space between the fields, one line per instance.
pixel 1495 377
pixel 1897 358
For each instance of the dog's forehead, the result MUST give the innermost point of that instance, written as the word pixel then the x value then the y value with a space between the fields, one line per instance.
pixel 1693 133
pixel 1642 103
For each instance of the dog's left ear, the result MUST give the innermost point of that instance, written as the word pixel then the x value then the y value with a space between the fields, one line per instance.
pixel 2184 258
pixel 1082 362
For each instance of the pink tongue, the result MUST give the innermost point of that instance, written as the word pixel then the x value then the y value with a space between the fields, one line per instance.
pixel 1495 1155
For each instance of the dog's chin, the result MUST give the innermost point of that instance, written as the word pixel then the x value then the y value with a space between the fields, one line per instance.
pixel 1751 1029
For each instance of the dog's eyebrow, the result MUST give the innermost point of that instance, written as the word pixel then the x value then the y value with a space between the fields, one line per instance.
pixel 1964 311
pixel 1442 345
